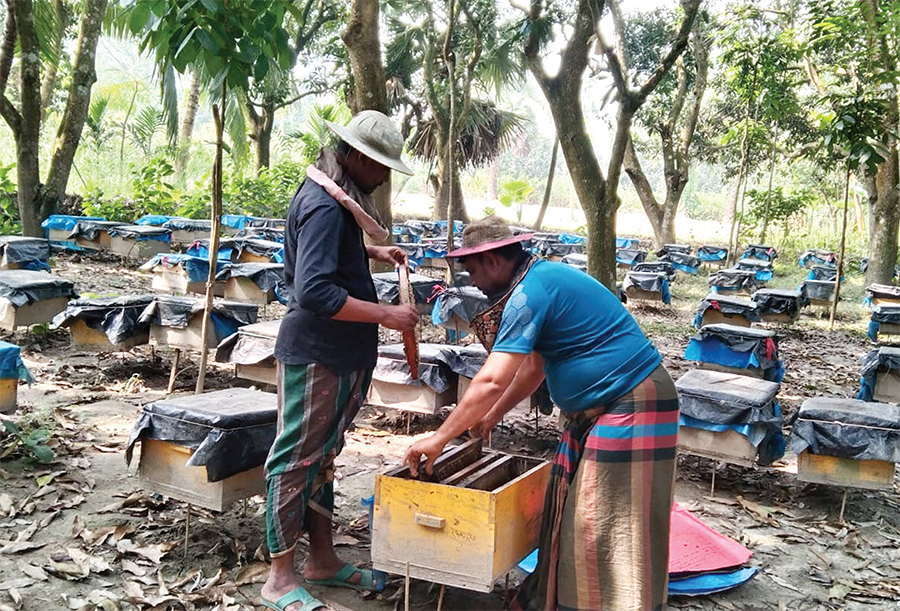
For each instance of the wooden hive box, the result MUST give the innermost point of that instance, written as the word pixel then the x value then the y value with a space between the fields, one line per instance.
pixel 137 249
pixel 9 395
pixel 727 446
pixel 83 335
pixel 252 350
pixel 470 524
pixel 175 280
pixel 184 236
pixel 835 471
pixel 639 294
pixel 101 242
pixel 245 289
pixel 463 386
pixel 163 470
pixel 415 397
pixel 392 385
pixel 33 313
pixel 715 317
pixel 887 386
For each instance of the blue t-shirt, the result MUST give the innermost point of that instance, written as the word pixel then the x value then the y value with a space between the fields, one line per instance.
pixel 593 350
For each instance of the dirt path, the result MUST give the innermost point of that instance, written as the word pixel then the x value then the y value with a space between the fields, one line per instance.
pixel 80 533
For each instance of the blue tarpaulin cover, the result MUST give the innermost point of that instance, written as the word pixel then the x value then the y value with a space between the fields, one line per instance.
pixel 155 220
pixel 817 257
pixel 709 254
pixel 732 279
pixel 682 261
pixel 11 365
pixel 739 347
pixel 763 269
pixel 66 222
pixel 196 268
pixel 141 233
pixel 760 252
pixel 626 242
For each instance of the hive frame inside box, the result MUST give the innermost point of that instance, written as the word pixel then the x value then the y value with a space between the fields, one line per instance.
pixel 84 336
pixel 847 472
pixel 727 446
pixel 175 280
pixel 456 535
pixel 163 470
pixel 244 289
pixel 9 399
pixel 33 313
pixel 638 294
pixel 713 316
pixel 418 397
pixel 137 249
pixel 887 386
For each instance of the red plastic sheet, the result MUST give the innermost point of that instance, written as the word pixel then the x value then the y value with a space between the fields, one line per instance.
pixel 694 547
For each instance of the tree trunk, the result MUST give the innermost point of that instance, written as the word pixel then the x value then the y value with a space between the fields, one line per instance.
pixel 261 124
pixel 192 99
pixel 62 16
pixel 78 103
pixel 549 189
pixel 369 93
pixel 885 219
pixel 494 175
pixel 29 127
pixel 766 213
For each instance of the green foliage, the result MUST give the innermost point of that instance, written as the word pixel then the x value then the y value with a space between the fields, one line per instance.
pixel 151 193
pixel 267 193
pixel 782 207
pixel 112 209
pixel 315 135
pixel 231 41
pixel 515 192
pixel 10 224
pixel 97 131
pixel 32 443
pixel 146 123
pixel 855 127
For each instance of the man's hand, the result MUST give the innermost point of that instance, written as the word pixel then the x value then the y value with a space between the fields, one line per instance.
pixel 393 255
pixel 484 427
pixel 431 447
pixel 400 317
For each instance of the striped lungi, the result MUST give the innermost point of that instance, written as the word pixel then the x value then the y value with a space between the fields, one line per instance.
pixel 315 405
pixel 604 543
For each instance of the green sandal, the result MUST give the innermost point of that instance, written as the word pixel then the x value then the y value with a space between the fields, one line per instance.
pixel 297 595
pixel 367 581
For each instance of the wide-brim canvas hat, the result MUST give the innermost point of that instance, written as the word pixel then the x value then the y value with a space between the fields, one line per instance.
pixel 374 135
pixel 489 233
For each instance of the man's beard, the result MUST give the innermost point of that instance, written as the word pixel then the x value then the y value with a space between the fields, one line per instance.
pixel 331 167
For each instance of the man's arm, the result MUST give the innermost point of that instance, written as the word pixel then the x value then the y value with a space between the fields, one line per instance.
pixel 526 381
pixel 486 389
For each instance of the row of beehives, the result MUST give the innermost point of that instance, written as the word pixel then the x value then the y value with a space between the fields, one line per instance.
pixel 730 411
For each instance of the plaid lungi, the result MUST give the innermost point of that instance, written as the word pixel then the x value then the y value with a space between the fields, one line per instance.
pixel 315 405
pixel 604 541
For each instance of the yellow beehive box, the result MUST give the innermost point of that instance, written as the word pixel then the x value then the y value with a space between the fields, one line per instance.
pixel 477 520
pixel 850 472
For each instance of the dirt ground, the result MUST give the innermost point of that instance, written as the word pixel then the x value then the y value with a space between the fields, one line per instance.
pixel 80 533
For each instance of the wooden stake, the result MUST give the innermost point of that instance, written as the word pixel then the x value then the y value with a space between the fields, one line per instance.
pixel 441 597
pixel 406 593
pixel 712 485
pixel 187 528
pixel 174 371
pixel 840 265
pixel 843 506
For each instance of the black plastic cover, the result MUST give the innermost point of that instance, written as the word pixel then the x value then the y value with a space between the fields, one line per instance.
pixel 173 311
pixel 885 358
pixel 744 339
pixel 681 258
pixel 137 231
pixel 266 276
pixel 576 259
pixel 463 301
pixel 387 286
pixel 89 228
pixel 823 272
pixel 760 251
pixel 555 248
pixel 630 256
pixel 658 267
pixel 265 223
pixel 848 428
pixel 646 281
pixel 117 317
pixel 433 371
pixel 780 301
pixel 754 265
pixel 229 430
pixel 272 234
pixel 730 305
pixel 20 249
pixel 671 248
pixel 251 345
pixel 22 286
pixel 186 224
pixel 883 291
pixel 727 398
pixel 734 279
pixel 886 313
pixel 822 290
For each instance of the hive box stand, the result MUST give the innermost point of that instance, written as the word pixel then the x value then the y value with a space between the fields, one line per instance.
pixel 459 534
pixel 84 336
pixel 163 470
pixel 831 470
pixel 34 313
pixel 727 446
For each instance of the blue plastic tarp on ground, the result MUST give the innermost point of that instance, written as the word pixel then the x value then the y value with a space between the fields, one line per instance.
pixel 11 365
pixel 703 585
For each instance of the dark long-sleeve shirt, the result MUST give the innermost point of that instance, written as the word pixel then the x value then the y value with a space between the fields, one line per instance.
pixel 325 261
